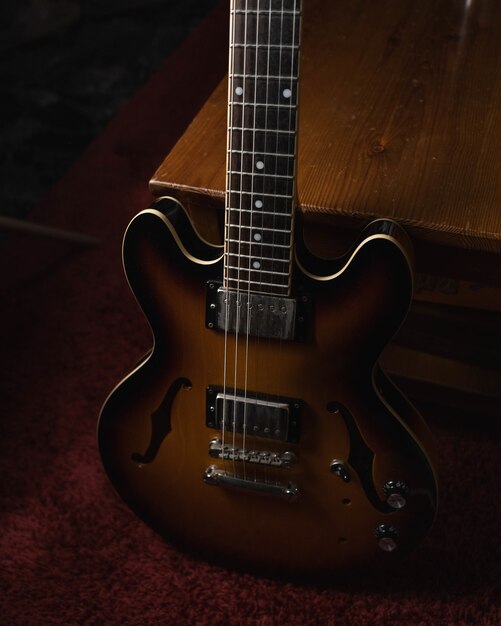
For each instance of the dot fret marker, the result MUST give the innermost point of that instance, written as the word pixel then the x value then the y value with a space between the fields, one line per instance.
pixel 239 91
pixel 258 204
pixel 260 165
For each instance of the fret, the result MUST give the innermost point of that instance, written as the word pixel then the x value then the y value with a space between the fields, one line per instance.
pixel 267 11
pixel 255 274
pixel 267 267
pixel 273 5
pixel 257 257
pixel 260 213
pixel 283 142
pixel 254 282
pixel 257 156
pixel 271 235
pixel 266 28
pixel 263 104
pixel 259 175
pixel 253 157
pixel 252 211
pixel 259 284
pixel 255 243
pixel 244 182
pixel 260 268
pixel 263 118
pixel 246 236
pixel 263 90
pixel 271 230
pixel 260 153
pixel 267 54
pixel 253 130
pixel 262 195
pixel 246 271
pixel 282 205
pixel 266 46
pixel 252 270
pixel 252 250
pixel 260 221
pixel 266 61
pixel 265 227
pixel 256 165
pixel 282 256
pixel 264 76
pixel 256 249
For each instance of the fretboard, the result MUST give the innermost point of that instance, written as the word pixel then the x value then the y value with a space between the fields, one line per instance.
pixel 261 159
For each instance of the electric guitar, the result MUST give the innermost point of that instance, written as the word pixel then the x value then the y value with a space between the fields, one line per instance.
pixel 260 430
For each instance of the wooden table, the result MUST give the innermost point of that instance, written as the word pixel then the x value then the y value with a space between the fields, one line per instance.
pixel 400 116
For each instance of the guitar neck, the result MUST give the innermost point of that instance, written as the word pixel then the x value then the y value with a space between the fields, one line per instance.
pixel 261 147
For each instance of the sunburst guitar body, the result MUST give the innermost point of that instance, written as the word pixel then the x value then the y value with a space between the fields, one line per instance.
pixel 334 471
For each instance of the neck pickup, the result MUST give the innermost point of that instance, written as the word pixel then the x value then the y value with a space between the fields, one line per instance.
pixel 258 315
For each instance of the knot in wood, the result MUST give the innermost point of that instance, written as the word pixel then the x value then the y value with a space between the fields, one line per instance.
pixel 377 147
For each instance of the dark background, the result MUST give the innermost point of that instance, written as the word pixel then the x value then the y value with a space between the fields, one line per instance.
pixel 66 68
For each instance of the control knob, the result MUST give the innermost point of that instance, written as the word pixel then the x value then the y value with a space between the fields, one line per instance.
pixel 396 492
pixel 339 468
pixel 387 537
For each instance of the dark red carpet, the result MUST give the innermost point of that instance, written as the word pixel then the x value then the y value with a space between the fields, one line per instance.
pixel 70 551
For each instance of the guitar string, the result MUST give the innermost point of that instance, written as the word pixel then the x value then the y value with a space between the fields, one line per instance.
pixel 292 141
pixel 291 152
pixel 238 295
pixel 267 197
pixel 278 374
pixel 250 261
pixel 227 233
pixel 294 101
pixel 266 160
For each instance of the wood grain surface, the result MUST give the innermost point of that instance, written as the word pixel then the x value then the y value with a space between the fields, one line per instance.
pixel 400 117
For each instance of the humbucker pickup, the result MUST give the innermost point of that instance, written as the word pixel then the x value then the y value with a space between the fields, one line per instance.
pixel 260 415
pixel 259 315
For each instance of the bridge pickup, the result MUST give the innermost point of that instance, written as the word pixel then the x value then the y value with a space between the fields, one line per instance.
pixel 260 415
pixel 259 315
pixel 215 476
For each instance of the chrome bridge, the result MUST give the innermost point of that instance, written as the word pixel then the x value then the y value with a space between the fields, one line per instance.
pixel 259 315
pixel 216 476
pixel 258 457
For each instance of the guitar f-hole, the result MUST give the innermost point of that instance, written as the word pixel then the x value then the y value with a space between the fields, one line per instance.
pixel 161 422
